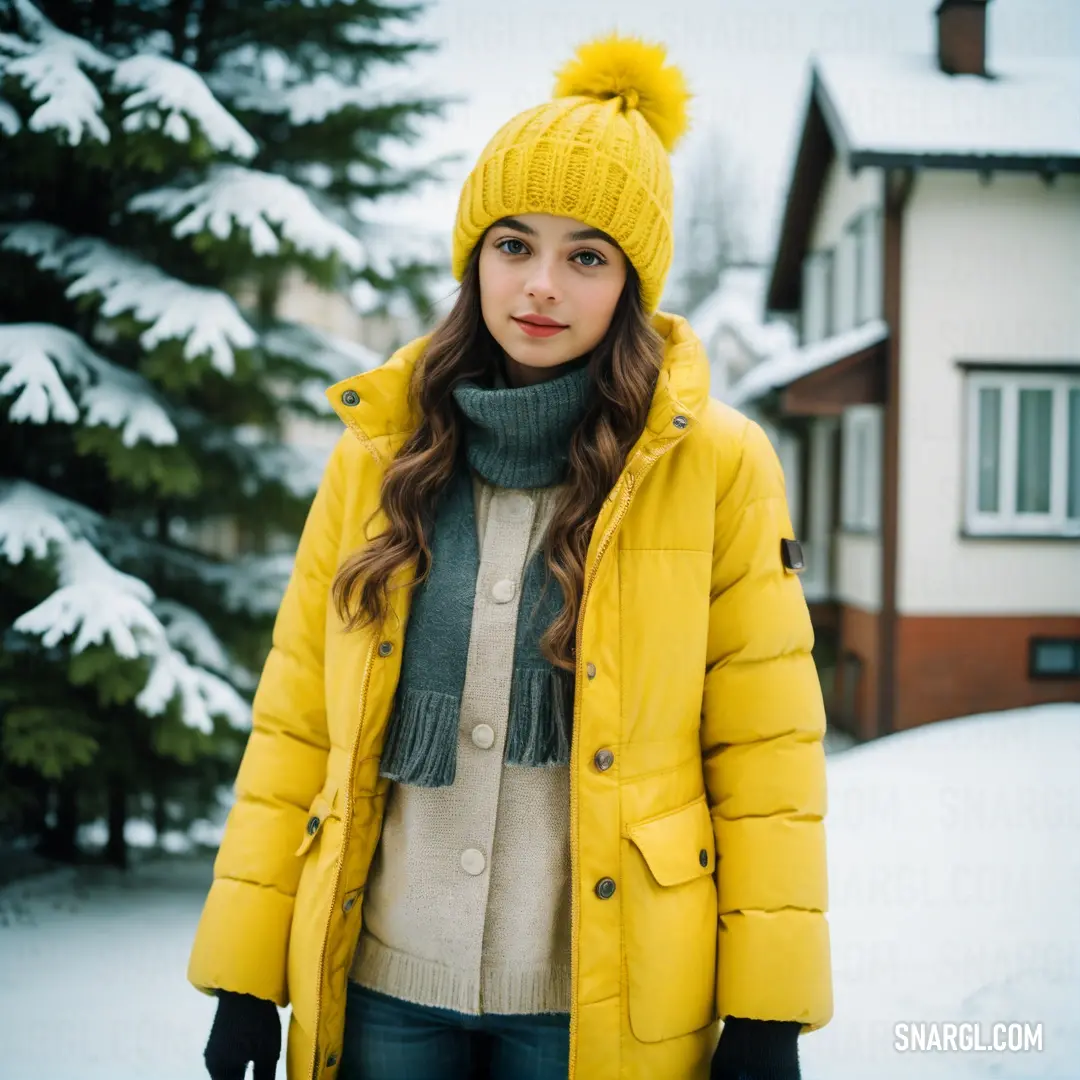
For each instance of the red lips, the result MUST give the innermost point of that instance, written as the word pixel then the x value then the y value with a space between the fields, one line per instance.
pixel 535 329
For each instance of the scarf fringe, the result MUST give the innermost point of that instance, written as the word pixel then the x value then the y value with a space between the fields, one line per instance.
pixel 421 741
pixel 541 707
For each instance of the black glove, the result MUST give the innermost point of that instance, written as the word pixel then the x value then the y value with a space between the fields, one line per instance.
pixel 245 1029
pixel 757 1050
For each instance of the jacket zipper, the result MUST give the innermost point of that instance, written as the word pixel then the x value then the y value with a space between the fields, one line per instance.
pixel 347 825
pixel 368 445
pixel 647 463
pixel 366 442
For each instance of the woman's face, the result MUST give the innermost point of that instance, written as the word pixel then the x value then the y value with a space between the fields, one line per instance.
pixel 547 268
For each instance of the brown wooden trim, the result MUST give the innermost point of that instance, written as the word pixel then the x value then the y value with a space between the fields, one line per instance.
pixel 898 186
pixel 1018 367
pixel 816 152
pixel 858 379
pixel 858 671
pixel 824 615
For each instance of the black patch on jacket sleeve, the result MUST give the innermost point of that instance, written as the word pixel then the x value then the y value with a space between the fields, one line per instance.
pixel 791 555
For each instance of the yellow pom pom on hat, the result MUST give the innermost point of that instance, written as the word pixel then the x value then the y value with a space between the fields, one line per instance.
pixel 597 152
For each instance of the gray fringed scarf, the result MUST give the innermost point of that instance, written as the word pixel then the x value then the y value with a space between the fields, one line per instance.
pixel 514 438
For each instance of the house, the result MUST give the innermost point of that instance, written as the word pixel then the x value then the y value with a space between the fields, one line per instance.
pixel 729 322
pixel 929 414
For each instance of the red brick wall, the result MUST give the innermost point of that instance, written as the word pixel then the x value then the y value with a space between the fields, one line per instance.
pixel 946 666
pixel 954 666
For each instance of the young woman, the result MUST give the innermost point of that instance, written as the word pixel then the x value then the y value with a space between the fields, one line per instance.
pixel 535 786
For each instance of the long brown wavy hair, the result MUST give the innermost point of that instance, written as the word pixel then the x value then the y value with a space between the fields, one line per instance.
pixel 623 370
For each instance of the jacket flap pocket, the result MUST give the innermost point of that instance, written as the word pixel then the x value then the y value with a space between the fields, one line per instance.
pixel 679 845
pixel 322 807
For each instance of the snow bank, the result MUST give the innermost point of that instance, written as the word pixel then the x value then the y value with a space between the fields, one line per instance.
pixel 114 951
pixel 954 868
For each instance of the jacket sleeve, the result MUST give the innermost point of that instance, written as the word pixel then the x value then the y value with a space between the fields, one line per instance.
pixel 242 937
pixel 763 721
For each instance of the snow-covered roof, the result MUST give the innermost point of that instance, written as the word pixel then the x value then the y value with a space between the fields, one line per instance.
pixel 905 105
pixel 738 302
pixel 739 295
pixel 786 367
pixel 902 110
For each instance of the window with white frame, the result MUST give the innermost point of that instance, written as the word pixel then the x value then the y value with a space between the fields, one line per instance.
pixel 869 271
pixel 845 281
pixel 790 449
pixel 861 468
pixel 1023 475
pixel 816 296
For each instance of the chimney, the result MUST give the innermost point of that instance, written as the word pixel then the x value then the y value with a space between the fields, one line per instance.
pixel 961 34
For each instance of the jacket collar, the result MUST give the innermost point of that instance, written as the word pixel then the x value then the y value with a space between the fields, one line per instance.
pixel 375 404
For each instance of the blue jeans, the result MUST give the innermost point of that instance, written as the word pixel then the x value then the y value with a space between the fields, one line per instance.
pixel 389 1039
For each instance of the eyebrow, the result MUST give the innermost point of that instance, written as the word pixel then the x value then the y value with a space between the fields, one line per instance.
pixel 580 234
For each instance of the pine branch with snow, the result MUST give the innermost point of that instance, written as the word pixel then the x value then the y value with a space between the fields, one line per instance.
pixel 97 605
pixel 271 217
pixel 56 72
pixel 167 97
pixel 206 322
pixel 42 365
pixel 163 174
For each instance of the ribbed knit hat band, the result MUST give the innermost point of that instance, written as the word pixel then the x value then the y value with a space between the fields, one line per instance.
pixel 597 152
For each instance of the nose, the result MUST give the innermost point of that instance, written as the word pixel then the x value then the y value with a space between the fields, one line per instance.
pixel 541 282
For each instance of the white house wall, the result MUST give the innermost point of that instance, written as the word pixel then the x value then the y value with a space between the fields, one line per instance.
pixel 847 566
pixel 990 271
pixel 858 570
pixel 843 196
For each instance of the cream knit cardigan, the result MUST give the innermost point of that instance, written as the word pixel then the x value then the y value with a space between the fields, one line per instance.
pixel 467 906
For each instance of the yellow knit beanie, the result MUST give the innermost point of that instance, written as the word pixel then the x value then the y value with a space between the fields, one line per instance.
pixel 597 152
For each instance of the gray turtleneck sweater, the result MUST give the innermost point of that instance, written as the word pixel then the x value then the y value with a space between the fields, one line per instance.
pixel 467 906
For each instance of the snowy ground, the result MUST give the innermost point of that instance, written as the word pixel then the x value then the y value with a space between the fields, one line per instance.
pixel 954 878
pixel 954 858
pixel 92 976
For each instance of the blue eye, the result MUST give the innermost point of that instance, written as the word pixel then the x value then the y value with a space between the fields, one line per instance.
pixel 600 261
pixel 578 256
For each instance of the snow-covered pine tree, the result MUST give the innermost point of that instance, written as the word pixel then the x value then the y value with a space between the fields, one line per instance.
pixel 159 158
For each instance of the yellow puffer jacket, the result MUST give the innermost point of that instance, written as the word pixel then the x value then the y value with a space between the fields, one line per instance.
pixel 694 669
